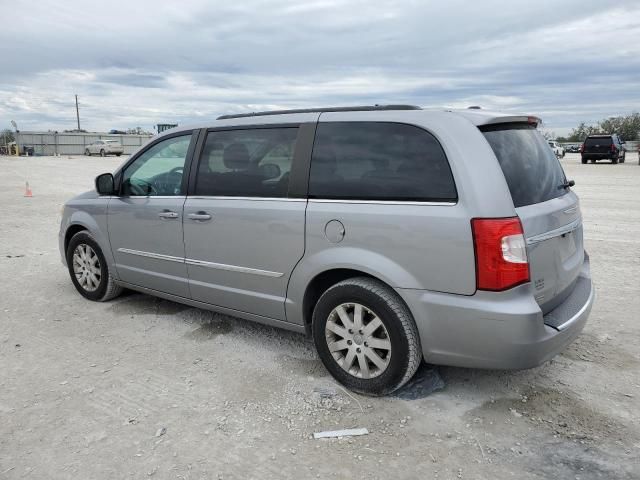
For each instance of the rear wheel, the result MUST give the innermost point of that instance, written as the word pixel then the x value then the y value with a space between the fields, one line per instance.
pixel 614 160
pixel 584 160
pixel 622 160
pixel 102 153
pixel 88 269
pixel 366 336
pixel 87 152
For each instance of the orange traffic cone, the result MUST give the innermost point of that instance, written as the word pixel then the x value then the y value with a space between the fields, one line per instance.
pixel 27 190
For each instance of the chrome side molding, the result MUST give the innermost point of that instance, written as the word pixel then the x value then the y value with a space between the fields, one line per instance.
pixel 157 256
pixel 202 263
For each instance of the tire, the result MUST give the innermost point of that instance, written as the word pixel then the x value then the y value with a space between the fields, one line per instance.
pixel 614 160
pixel 102 153
pixel 118 154
pixel 87 152
pixel 106 288
pixel 399 354
pixel 584 160
pixel 623 155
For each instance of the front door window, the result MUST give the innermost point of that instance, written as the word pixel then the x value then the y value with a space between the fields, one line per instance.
pixel 158 171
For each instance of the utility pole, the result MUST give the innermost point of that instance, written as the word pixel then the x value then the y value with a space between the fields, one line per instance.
pixel 77 113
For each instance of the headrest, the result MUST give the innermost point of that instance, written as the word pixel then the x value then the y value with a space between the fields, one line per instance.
pixel 236 157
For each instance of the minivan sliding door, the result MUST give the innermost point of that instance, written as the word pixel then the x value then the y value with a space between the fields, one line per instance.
pixel 243 232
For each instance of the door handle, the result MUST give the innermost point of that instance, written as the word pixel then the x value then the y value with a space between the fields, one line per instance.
pixel 199 217
pixel 168 214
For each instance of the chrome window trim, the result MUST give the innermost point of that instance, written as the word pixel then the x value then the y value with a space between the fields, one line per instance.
pixel 259 199
pixel 382 202
pixel 555 233
pixel 178 197
pixel 202 263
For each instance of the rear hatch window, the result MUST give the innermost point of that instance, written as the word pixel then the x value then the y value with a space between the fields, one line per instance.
pixel 596 141
pixel 549 212
pixel 532 171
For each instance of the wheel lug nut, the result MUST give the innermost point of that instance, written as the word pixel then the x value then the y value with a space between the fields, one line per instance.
pixel 360 332
pixel 358 350
pixel 351 331
pixel 349 342
pixel 366 344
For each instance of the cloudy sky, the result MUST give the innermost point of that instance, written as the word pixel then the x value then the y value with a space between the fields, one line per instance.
pixel 143 62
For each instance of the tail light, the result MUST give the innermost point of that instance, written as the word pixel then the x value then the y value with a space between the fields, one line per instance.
pixel 582 148
pixel 501 253
pixel 613 148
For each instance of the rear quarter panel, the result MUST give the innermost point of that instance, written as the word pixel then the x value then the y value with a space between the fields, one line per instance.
pixel 410 246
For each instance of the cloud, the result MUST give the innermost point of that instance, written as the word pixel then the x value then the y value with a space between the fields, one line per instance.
pixel 142 63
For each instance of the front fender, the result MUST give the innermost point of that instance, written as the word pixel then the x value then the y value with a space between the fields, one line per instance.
pixel 366 261
pixel 91 215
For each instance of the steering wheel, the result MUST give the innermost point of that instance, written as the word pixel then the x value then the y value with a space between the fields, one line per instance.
pixel 142 188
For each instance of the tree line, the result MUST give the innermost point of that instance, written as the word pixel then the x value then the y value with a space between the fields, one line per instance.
pixel 628 127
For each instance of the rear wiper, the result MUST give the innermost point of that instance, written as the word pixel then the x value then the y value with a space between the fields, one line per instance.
pixel 567 184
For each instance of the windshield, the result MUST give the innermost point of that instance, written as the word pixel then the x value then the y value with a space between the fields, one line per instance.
pixel 532 171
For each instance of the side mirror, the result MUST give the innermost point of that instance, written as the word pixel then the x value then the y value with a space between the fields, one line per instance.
pixel 105 184
pixel 269 171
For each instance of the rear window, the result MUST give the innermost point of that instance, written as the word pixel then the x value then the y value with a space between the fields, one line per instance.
pixel 379 161
pixel 593 141
pixel 532 171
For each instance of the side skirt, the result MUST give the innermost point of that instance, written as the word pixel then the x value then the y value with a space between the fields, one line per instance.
pixel 272 322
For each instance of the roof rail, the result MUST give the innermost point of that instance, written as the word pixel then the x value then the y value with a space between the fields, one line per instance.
pixel 359 108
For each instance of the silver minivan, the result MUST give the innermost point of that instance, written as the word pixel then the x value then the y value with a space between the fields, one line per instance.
pixel 390 234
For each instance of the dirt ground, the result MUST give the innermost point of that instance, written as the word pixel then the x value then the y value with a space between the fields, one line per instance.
pixel 145 388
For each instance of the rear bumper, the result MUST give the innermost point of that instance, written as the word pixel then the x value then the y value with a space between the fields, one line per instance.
pixel 505 330
pixel 599 156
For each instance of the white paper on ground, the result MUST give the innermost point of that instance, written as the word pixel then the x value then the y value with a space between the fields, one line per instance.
pixel 352 432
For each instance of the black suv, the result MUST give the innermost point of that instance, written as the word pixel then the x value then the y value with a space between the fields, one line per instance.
pixel 603 147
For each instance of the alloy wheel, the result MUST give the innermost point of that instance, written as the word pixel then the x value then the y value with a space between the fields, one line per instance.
pixel 358 340
pixel 86 267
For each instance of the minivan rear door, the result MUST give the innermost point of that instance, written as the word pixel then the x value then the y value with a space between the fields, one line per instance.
pixel 548 209
pixel 243 228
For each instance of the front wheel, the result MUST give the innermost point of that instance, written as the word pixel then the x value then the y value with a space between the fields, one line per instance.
pixel 87 152
pixel 102 153
pixel 88 269
pixel 366 336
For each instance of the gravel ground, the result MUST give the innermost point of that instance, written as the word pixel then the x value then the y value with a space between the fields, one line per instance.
pixel 141 387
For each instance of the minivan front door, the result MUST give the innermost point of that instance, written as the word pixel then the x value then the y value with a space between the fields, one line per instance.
pixel 145 221
pixel 243 235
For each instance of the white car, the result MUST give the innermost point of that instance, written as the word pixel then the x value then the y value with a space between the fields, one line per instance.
pixel 104 148
pixel 557 148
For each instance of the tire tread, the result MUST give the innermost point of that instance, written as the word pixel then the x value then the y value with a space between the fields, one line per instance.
pixel 403 314
pixel 113 289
